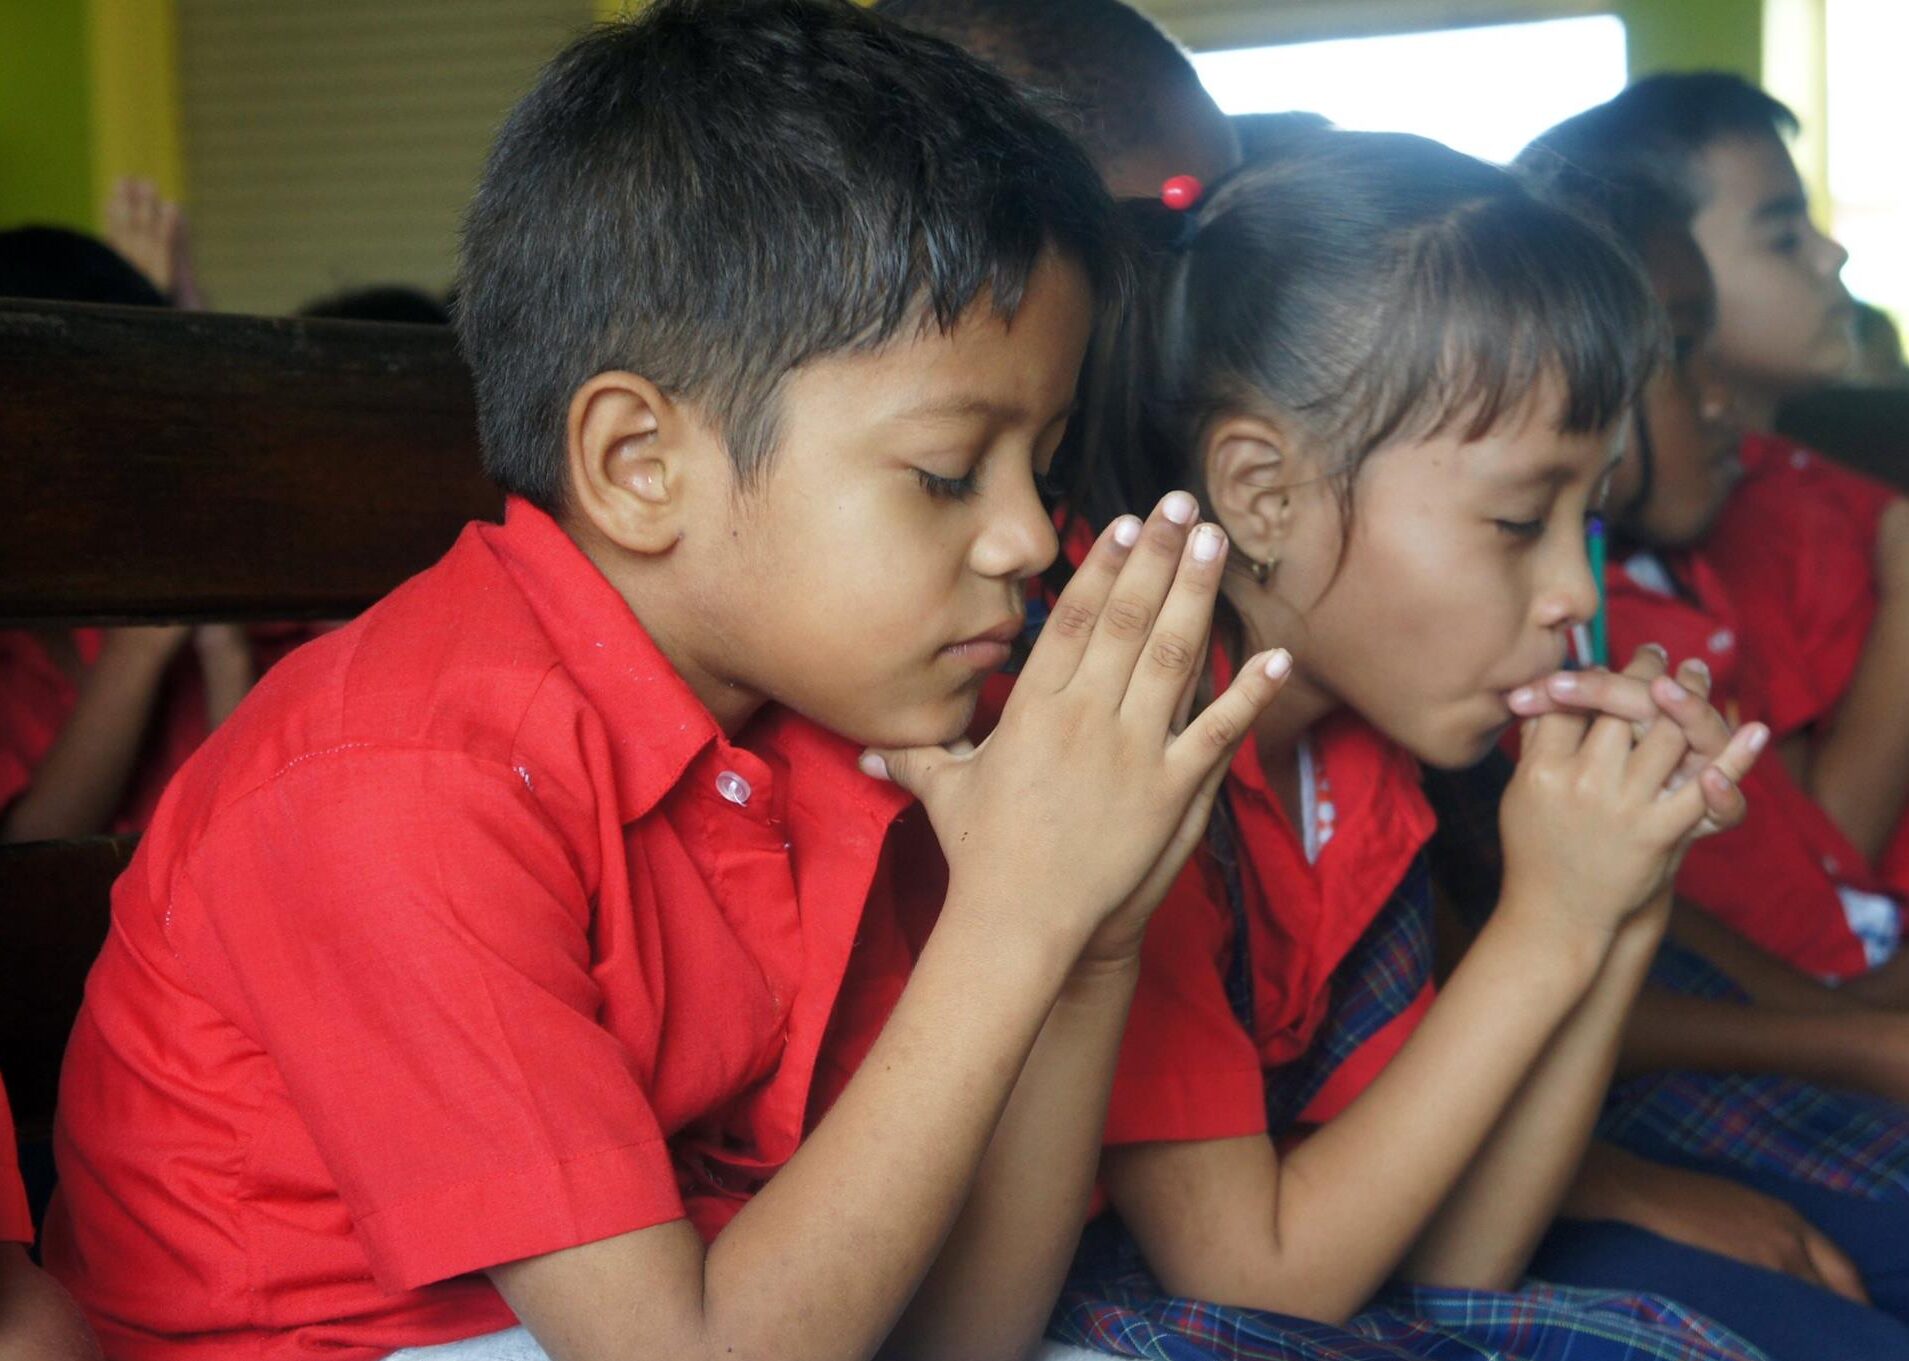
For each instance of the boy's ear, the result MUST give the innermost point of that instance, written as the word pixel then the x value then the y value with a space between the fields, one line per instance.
pixel 1249 479
pixel 631 451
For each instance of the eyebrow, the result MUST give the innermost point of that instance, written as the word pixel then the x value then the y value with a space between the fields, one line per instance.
pixel 972 408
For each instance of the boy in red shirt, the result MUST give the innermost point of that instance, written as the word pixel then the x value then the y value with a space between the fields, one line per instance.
pixel 544 947
pixel 1813 559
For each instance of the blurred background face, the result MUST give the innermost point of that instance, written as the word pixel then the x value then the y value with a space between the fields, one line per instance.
pixel 1682 461
pixel 1784 319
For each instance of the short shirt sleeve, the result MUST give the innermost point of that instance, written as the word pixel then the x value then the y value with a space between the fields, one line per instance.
pixel 1188 1068
pixel 407 937
pixel 16 1222
pixel 1796 546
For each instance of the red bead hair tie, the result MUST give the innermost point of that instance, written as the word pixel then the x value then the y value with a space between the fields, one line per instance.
pixel 1181 192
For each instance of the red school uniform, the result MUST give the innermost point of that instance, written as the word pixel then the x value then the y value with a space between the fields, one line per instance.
pixel 1781 877
pixel 16 1221
pixel 1795 546
pixel 1188 1069
pixel 471 937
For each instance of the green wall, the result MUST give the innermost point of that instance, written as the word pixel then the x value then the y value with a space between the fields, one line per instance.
pixel 1684 35
pixel 45 133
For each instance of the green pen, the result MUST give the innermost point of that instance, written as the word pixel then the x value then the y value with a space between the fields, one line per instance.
pixel 1594 547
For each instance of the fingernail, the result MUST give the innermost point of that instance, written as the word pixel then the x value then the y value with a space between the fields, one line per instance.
pixel 1676 692
pixel 1698 665
pixel 1126 531
pixel 1567 684
pixel 1523 696
pixel 873 765
pixel 1179 507
pixel 1657 648
pixel 1279 664
pixel 1208 540
pixel 1758 739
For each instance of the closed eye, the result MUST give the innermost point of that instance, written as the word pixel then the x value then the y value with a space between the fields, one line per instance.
pixel 1522 529
pixel 947 488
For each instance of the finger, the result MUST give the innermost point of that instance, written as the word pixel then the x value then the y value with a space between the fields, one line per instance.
pixel 1613 735
pixel 1217 731
pixel 1833 1267
pixel 1655 760
pixel 1618 695
pixel 1721 782
pixel 1690 709
pixel 1057 652
pixel 1134 605
pixel 1183 711
pixel 913 768
pixel 1172 655
pixel 1555 736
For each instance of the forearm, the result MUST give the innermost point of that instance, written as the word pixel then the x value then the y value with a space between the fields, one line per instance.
pixel 822 1262
pixel 83 777
pixel 1484 1234
pixel 1860 1049
pixel 225 660
pixel 1859 767
pixel 994 1285
pixel 1768 980
pixel 1354 1198
pixel 37 1319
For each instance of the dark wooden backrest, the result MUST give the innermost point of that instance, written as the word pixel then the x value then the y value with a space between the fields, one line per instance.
pixel 163 466
pixel 1865 428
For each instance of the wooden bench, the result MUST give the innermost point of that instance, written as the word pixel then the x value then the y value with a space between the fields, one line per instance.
pixel 1864 428
pixel 190 467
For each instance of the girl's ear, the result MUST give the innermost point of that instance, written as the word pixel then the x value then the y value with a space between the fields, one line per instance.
pixel 1249 479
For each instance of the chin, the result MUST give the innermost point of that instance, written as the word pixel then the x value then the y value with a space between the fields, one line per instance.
pixel 920 725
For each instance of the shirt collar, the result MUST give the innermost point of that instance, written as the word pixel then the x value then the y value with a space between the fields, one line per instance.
pixel 657 726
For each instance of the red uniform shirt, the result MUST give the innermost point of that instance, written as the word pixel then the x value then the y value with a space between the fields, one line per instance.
pixel 1775 879
pixel 16 1224
pixel 469 938
pixel 1188 1070
pixel 1796 548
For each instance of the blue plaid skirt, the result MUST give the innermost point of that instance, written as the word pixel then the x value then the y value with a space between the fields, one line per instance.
pixel 1114 1304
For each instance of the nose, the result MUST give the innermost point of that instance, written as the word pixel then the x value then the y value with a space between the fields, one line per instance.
pixel 1017 540
pixel 1832 256
pixel 1568 592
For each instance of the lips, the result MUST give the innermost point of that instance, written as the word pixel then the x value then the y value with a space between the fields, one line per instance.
pixel 989 650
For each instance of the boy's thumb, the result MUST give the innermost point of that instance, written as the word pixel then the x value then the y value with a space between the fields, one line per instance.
pixel 913 768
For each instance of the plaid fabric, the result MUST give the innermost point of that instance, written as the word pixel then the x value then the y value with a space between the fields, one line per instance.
pixel 1724 1122
pixel 1114 1305
pixel 1378 979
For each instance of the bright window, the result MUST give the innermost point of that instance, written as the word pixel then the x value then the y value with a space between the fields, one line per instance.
pixel 1868 42
pixel 1486 90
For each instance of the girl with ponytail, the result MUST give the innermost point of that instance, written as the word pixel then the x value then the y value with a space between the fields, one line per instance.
pixel 1399 383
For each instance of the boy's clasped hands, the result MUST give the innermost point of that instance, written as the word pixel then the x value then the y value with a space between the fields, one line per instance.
pixel 1101 710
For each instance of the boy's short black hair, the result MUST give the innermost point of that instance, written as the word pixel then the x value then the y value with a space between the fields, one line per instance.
pixel 1637 209
pixel 54 264
pixel 1658 127
pixel 719 191
pixel 1111 66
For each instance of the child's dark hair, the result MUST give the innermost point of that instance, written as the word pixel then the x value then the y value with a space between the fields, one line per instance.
pixel 1112 67
pixel 1363 289
pixel 719 191
pixel 1635 208
pixel 1658 127
pixel 54 264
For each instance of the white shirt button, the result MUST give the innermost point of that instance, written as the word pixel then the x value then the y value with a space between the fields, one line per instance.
pixel 734 788
pixel 1722 640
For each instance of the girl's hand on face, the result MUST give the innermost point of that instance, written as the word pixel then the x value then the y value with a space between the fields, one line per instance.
pixel 1592 830
pixel 1077 812
pixel 1717 759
